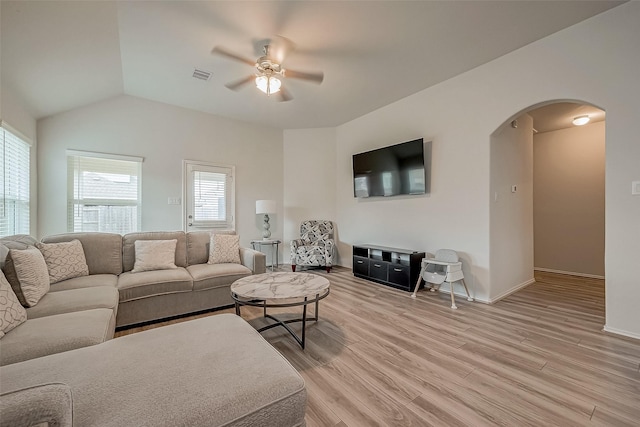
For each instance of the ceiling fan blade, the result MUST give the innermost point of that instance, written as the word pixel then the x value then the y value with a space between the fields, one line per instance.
pixel 312 77
pixel 237 84
pixel 223 52
pixel 280 48
pixel 284 95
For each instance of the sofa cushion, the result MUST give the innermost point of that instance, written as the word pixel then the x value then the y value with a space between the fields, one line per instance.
pixel 208 276
pixel 12 313
pixel 129 241
pixel 55 334
pixel 103 251
pixel 65 260
pixel 33 276
pixel 86 282
pixel 145 284
pixel 17 241
pixel 154 255
pixel 214 371
pixel 224 249
pixel 198 243
pixel 40 405
pixel 75 300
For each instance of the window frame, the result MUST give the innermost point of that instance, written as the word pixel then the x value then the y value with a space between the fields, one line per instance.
pixel 72 202
pixel 25 180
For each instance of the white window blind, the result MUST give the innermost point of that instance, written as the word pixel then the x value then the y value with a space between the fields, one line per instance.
pixel 210 196
pixel 14 208
pixel 103 192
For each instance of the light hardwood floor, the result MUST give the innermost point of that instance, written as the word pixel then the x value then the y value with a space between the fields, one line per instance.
pixel 537 358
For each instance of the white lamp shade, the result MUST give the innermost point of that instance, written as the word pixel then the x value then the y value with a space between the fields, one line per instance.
pixel 265 206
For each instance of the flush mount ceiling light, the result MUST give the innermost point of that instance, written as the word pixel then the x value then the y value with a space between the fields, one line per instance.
pixel 581 120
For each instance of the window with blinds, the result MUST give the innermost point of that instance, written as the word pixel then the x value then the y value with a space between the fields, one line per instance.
pixel 209 196
pixel 103 192
pixel 15 162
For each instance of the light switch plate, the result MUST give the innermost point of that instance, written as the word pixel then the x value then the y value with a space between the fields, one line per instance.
pixel 173 200
pixel 514 188
pixel 635 188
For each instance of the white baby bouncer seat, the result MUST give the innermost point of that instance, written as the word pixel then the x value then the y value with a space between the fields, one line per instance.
pixel 444 267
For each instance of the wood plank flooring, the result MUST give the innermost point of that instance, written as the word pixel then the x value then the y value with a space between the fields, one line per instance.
pixel 537 358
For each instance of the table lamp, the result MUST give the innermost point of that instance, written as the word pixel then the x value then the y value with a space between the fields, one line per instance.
pixel 266 207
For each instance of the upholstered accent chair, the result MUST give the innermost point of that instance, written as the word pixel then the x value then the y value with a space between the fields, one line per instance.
pixel 315 247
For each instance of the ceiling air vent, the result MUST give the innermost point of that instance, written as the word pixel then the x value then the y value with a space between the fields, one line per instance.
pixel 202 75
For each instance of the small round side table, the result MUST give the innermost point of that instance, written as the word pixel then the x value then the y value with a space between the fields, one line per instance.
pixel 274 243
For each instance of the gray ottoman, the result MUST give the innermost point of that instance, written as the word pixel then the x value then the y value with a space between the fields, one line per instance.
pixel 213 371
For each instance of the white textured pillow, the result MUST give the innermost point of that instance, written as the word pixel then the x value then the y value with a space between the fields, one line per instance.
pixel 154 255
pixel 32 273
pixel 64 260
pixel 12 313
pixel 224 248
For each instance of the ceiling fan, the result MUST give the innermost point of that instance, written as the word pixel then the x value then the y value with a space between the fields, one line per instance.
pixel 269 70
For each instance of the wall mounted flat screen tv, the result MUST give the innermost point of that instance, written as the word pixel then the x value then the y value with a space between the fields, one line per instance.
pixel 391 171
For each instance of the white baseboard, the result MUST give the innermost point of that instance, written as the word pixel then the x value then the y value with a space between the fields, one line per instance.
pixel 621 332
pixel 511 291
pixel 571 273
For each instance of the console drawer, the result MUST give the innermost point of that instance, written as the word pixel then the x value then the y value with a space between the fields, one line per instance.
pixel 399 274
pixel 378 270
pixel 361 265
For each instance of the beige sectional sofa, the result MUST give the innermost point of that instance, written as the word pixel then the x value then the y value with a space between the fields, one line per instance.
pixel 151 295
pixel 85 310
pixel 61 366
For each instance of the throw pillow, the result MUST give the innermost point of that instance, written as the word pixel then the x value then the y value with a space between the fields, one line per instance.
pixel 154 255
pixel 64 260
pixel 224 248
pixel 12 313
pixel 32 274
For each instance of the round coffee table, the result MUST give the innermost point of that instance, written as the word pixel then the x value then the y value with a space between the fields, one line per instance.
pixel 270 290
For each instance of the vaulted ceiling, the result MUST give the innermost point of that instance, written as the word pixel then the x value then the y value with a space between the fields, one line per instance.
pixel 59 55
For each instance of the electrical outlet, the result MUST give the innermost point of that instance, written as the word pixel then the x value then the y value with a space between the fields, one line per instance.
pixel 635 188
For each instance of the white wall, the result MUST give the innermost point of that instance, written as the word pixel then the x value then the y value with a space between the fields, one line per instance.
pixel 460 114
pixel 14 113
pixel 569 199
pixel 164 135
pixel 511 212
pixel 309 181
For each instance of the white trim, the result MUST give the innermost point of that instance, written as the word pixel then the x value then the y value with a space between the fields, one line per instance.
pixel 208 164
pixel 615 331
pixel 78 153
pixel 16 132
pixel 511 291
pixel 570 273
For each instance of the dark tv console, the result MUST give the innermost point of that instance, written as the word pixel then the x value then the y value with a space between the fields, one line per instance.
pixel 394 267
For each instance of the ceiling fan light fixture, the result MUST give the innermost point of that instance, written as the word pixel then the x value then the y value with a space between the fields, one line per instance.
pixel 268 85
pixel 581 120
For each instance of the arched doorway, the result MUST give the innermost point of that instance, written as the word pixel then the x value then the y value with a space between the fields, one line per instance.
pixel 547 195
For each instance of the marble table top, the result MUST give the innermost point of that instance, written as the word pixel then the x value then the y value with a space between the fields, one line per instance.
pixel 279 286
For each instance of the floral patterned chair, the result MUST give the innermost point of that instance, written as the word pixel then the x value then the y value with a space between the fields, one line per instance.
pixel 315 247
